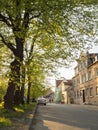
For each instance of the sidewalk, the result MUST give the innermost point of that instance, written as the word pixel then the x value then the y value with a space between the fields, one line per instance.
pixel 95 107
pixel 27 123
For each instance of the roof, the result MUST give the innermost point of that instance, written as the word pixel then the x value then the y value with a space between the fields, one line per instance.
pixel 58 82
pixel 69 82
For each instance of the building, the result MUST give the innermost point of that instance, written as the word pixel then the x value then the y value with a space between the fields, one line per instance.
pixel 85 80
pixel 64 91
pixel 58 92
pixel 50 96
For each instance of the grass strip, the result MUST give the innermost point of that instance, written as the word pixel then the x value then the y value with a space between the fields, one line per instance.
pixel 21 113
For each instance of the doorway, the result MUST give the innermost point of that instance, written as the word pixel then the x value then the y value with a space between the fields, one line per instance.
pixel 83 95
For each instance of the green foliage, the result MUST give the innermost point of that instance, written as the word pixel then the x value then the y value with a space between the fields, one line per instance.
pixel 5 59
pixel 4 122
pixel 3 85
pixel 37 77
pixel 47 27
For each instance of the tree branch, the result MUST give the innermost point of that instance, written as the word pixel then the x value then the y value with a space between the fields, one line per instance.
pixel 4 19
pixel 25 20
pixel 8 44
pixel 36 15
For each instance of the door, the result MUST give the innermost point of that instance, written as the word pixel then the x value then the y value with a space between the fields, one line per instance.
pixel 83 95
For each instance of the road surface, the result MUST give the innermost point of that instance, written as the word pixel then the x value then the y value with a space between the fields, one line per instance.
pixel 65 117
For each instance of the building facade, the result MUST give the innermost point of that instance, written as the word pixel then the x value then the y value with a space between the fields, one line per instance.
pixel 85 80
pixel 64 91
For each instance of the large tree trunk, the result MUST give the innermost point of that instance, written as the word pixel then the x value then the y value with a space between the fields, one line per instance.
pixel 13 92
pixel 14 77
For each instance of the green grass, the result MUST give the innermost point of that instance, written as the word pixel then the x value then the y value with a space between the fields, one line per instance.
pixel 20 112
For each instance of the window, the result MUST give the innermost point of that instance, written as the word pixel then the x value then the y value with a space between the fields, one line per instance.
pixel 80 93
pixel 78 81
pixel 96 71
pixel 91 91
pixel 87 92
pixel 77 93
pixel 89 75
pixel 83 78
pixel 96 90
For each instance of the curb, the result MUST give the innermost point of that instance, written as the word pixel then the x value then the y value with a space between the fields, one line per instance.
pixel 28 125
pixel 32 118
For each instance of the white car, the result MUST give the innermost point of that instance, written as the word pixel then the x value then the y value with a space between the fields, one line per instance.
pixel 42 101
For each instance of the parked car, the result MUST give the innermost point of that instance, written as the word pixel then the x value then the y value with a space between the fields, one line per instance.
pixel 42 101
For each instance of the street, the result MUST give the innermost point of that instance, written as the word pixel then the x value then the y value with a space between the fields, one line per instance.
pixel 65 117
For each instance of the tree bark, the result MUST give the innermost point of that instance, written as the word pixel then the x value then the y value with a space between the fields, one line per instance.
pixel 14 75
pixel 13 92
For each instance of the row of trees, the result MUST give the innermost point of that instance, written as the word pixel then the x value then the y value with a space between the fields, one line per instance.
pixel 37 76
pixel 39 35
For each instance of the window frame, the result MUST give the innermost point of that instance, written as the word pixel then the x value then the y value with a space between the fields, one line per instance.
pixel 97 90
pixel 91 91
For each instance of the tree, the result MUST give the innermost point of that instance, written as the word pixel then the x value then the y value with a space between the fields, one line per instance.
pixel 35 76
pixel 24 20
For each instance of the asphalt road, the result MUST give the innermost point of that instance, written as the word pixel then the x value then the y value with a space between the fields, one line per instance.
pixel 65 117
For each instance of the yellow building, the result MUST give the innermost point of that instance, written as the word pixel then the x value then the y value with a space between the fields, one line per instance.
pixel 86 79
